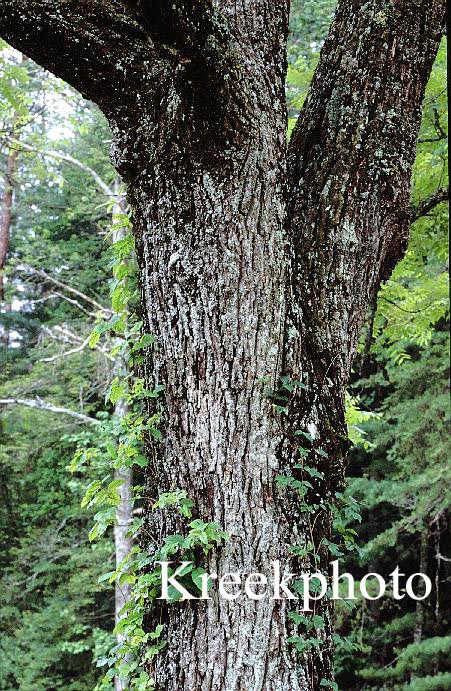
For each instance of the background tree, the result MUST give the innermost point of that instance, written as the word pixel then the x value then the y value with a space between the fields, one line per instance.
pixel 55 616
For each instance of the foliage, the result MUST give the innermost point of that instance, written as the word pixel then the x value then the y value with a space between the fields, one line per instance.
pixel 402 484
pixel 54 614
pixel 416 297
pixel 129 659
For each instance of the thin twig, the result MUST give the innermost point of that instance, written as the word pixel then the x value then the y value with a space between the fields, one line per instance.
pixel 70 289
pixel 61 156
pixel 39 404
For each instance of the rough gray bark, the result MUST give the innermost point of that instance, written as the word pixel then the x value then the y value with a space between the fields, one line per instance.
pixel 255 262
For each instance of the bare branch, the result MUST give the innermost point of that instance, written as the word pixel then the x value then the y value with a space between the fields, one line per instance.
pixel 442 557
pixel 61 334
pixel 403 309
pixel 440 132
pixel 61 156
pixel 81 41
pixel 70 289
pixel 39 404
pixel 57 294
pixel 82 346
pixel 438 125
pixel 431 140
pixel 67 353
pixel 427 205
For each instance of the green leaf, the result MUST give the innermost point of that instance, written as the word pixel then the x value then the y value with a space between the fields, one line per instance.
pixel 94 338
pixel 322 453
pixel 314 473
pixel 329 684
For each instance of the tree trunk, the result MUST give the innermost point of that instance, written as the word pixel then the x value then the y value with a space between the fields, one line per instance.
pixel 255 263
pixel 420 606
pixel 213 256
pixel 6 212
pixel 7 200
pixel 420 610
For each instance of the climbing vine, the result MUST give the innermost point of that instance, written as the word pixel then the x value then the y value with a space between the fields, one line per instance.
pixel 304 478
pixel 120 444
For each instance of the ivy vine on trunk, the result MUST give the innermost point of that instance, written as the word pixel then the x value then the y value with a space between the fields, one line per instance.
pixel 258 261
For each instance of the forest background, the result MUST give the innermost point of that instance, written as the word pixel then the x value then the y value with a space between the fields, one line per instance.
pixel 65 201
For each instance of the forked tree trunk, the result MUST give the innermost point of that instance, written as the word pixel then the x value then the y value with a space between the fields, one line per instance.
pixel 255 263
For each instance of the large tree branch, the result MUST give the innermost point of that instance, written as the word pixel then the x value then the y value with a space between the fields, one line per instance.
pixel 197 26
pixel 93 44
pixel 186 25
pixel 114 51
pixel 350 162
pixel 138 60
